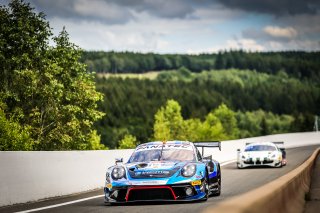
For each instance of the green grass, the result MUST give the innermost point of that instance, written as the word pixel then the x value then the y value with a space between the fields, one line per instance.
pixel 149 75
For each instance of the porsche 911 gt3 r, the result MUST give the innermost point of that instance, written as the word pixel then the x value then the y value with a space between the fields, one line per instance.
pixel 262 154
pixel 164 171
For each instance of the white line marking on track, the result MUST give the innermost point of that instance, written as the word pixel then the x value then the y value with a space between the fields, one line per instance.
pixel 61 204
pixel 227 162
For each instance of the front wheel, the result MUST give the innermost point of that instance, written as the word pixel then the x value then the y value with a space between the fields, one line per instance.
pixel 205 186
pixel 218 192
pixel 238 166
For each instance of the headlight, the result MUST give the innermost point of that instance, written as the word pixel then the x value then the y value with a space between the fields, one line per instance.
pixel 118 172
pixel 273 156
pixel 189 170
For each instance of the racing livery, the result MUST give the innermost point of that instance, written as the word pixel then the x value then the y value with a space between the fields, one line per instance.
pixel 262 154
pixel 164 171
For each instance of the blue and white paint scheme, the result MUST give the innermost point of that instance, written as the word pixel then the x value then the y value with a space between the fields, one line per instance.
pixel 164 171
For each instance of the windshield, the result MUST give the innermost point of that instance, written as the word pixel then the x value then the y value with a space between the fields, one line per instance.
pixel 260 148
pixel 167 155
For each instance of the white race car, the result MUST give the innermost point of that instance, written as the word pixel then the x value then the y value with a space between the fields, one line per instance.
pixel 262 154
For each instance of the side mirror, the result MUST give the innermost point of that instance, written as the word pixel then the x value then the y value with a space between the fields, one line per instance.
pixel 210 166
pixel 119 160
pixel 207 158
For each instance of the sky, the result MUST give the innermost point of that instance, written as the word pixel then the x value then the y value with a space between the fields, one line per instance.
pixel 186 26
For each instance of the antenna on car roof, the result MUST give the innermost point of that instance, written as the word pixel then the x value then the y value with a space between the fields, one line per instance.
pixel 163 143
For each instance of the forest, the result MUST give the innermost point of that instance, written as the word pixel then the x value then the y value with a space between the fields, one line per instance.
pixel 298 64
pixel 268 92
pixel 259 103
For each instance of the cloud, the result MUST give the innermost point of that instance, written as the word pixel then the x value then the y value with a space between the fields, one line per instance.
pixel 164 9
pixel 120 11
pixel 244 44
pixel 305 44
pixel 271 33
pixel 277 38
pixel 274 7
pixel 84 10
pixel 278 32
pixel 179 26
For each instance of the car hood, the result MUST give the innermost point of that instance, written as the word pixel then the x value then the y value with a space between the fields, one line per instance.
pixel 154 165
pixel 152 169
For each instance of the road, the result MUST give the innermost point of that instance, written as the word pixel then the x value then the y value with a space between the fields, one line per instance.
pixel 234 182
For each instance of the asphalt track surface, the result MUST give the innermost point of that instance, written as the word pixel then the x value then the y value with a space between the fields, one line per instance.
pixel 234 182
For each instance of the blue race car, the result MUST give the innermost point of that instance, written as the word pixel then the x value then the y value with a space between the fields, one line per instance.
pixel 164 171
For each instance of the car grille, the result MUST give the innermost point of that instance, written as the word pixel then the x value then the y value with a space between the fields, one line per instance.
pixel 258 162
pixel 147 193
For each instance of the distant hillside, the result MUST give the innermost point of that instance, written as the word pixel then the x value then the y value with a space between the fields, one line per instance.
pixel 295 63
pixel 263 103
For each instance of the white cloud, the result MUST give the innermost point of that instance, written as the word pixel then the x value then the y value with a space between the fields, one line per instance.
pixel 278 32
pixel 245 44
pixel 310 45
pixel 274 45
pixel 105 25
pixel 144 34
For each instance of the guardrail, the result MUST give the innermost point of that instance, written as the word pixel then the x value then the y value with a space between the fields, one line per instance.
pixel 285 194
pixel 32 176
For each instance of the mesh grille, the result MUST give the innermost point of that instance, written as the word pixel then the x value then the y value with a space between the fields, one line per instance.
pixel 136 194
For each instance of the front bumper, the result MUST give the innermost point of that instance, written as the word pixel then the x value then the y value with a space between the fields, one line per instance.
pixel 250 162
pixel 139 193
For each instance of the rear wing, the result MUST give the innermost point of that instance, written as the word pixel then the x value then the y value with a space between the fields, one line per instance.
pixel 210 144
pixel 280 144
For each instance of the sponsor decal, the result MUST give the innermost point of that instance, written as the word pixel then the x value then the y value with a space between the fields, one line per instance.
pixel 196 182
pixel 165 146
pixel 109 185
pixel 158 172
pixel 149 182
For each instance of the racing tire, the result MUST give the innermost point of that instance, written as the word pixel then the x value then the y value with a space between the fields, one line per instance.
pixel 217 193
pixel 238 166
pixel 206 186
pixel 277 166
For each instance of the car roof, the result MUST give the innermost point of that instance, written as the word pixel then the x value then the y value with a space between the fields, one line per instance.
pixel 167 142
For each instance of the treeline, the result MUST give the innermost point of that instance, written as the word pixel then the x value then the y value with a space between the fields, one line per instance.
pixel 295 63
pixel 129 62
pixel 221 123
pixel 263 103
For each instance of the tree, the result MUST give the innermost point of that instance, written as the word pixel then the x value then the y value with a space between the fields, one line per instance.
pixel 212 129
pixel 191 130
pixel 228 120
pixel 128 142
pixel 13 135
pixel 168 122
pixel 46 89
